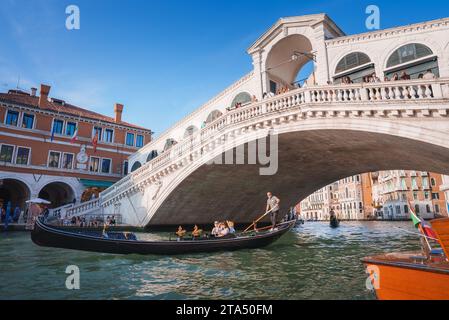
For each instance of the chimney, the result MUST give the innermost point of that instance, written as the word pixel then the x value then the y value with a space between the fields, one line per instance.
pixel 118 110
pixel 45 91
pixel 33 92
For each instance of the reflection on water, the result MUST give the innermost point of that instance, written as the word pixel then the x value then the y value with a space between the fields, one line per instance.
pixel 312 262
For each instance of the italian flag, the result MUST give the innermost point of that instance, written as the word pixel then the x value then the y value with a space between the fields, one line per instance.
pixel 422 225
pixel 74 136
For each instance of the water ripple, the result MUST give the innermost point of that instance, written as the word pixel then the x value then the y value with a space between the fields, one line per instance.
pixel 312 262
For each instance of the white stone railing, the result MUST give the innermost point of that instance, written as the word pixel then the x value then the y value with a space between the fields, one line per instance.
pixel 60 212
pixel 89 207
pixel 365 93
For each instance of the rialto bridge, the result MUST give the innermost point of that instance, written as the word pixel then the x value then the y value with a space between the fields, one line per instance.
pixel 317 132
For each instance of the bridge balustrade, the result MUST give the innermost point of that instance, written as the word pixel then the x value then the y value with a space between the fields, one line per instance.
pixel 383 92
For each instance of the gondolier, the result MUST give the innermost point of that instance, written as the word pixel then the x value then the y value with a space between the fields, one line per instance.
pixel 273 206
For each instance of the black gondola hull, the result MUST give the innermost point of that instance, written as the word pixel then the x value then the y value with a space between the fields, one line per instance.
pixel 44 235
pixel 334 224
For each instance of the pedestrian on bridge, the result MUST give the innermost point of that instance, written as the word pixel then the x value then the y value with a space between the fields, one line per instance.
pixel 273 206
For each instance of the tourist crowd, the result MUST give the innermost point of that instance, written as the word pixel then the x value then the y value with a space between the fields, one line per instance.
pixel 220 230
pixel 373 78
pixel 90 222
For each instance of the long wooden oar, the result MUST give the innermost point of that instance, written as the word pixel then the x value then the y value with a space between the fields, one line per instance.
pixel 263 216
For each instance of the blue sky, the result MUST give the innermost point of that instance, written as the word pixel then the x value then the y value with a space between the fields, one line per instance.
pixel 161 58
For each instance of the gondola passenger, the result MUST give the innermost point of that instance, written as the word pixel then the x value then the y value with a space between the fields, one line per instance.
pixel 216 230
pixel 224 230
pixel 196 233
pixel 180 233
pixel 231 227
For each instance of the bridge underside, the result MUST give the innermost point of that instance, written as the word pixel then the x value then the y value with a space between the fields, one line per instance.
pixel 308 161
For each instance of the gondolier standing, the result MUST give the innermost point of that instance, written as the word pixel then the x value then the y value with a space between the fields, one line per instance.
pixel 273 205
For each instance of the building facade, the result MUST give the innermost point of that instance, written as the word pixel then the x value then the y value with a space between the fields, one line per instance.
pixel 345 197
pixel 381 195
pixel 59 152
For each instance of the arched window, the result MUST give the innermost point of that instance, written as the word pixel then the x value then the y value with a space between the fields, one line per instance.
pixel 190 131
pixel 214 115
pixel 136 166
pixel 433 182
pixel 355 65
pixel 414 58
pixel 352 61
pixel 242 98
pixel 408 53
pixel 153 154
pixel 169 143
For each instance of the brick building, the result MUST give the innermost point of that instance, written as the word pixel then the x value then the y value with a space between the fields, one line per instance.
pixel 60 152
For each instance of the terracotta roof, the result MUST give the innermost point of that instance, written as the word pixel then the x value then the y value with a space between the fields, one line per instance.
pixel 22 98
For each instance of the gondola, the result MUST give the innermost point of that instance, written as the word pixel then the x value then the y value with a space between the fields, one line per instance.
pixel 299 222
pixel 334 223
pixel 121 243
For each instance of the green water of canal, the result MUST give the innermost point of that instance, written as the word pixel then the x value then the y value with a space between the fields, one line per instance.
pixel 311 262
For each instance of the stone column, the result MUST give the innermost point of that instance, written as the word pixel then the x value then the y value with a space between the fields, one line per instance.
pixel 322 74
pixel 259 74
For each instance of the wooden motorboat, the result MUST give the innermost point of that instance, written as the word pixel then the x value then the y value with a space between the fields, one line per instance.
pixel 125 243
pixel 413 276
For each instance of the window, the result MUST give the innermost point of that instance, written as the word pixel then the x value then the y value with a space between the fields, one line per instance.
pixel 67 161
pixel 70 128
pixel 130 139
pixel 414 183
pixel 417 208
pixel 406 209
pixel 214 115
pixel 125 168
pixel 106 165
pixel 139 141
pixel 94 164
pixel 23 155
pixel 97 132
pixel 57 126
pixel 428 208
pixel 6 153
pixel 109 135
pixel 136 166
pixel 403 184
pixel 435 196
pixel 427 195
pixel 152 155
pixel 351 61
pixel 273 86
pixel 433 182
pixel 415 195
pixel 242 98
pixel 28 121
pixel 54 159
pixel 425 182
pixel 408 53
pixel 12 118
pixel 437 208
